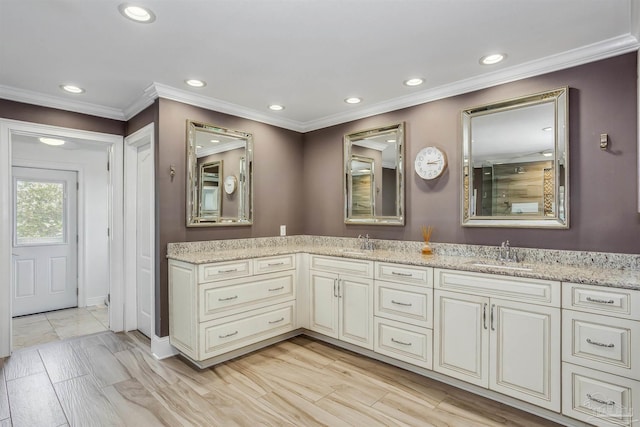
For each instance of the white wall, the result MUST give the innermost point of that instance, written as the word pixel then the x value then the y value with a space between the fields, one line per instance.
pixel 94 187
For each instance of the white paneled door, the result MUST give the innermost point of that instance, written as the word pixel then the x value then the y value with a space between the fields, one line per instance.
pixel 45 247
pixel 144 255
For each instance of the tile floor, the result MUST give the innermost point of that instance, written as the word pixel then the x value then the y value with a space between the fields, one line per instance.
pixel 57 325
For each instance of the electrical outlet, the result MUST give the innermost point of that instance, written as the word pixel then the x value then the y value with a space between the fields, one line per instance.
pixel 283 230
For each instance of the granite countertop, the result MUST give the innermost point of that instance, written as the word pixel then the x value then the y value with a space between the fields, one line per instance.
pixel 593 275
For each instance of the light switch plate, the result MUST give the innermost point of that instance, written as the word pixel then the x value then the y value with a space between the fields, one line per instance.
pixel 283 230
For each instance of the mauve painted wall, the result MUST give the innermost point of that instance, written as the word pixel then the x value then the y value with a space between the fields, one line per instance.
pixel 51 116
pixel 603 215
pixel 277 184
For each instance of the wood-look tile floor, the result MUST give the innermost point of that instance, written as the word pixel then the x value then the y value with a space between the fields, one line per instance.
pixel 111 379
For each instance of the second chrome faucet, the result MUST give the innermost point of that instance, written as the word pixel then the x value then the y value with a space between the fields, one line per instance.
pixel 506 254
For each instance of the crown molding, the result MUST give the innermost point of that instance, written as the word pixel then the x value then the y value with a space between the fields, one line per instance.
pixel 42 100
pixel 168 92
pixel 597 51
pixel 594 52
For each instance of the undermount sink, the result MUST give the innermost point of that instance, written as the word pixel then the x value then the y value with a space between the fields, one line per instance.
pixel 352 252
pixel 498 264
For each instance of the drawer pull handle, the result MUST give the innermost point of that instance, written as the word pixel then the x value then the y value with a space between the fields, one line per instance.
pixel 405 304
pixel 271 322
pixel 599 344
pixel 274 264
pixel 395 273
pixel 233 270
pixel 228 335
pixel 600 301
pixel 228 298
pixel 276 289
pixel 600 401
pixel 400 342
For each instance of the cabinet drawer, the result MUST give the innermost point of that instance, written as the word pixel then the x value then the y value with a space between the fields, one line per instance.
pixel 224 270
pixel 353 267
pixel 543 292
pixel 602 300
pixel 405 303
pixel 274 263
pixel 601 342
pixel 404 274
pixel 230 333
pixel 409 343
pixel 598 398
pixel 216 300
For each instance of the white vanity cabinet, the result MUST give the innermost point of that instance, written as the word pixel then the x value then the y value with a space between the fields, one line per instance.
pixel 499 332
pixel 403 313
pixel 601 354
pixel 341 299
pixel 220 307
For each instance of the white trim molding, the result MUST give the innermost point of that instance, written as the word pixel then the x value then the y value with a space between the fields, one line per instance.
pixel 161 348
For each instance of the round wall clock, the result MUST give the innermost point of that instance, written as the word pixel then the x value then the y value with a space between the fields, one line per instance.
pixel 230 184
pixel 430 162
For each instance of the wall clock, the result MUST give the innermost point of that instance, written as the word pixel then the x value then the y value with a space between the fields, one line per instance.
pixel 430 162
pixel 230 184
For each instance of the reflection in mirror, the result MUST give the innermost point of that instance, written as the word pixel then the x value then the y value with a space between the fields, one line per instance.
pixel 515 171
pixel 374 175
pixel 210 193
pixel 209 201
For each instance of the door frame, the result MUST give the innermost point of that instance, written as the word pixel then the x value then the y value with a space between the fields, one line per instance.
pixel 132 142
pixel 116 218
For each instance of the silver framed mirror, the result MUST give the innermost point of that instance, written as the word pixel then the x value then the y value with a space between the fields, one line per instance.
pixel 218 196
pixel 374 176
pixel 515 170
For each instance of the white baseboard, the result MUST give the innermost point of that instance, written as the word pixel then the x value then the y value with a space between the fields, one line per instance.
pixel 161 348
pixel 96 300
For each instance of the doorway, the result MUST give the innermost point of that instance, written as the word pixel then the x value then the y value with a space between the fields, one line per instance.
pixel 111 149
pixel 140 235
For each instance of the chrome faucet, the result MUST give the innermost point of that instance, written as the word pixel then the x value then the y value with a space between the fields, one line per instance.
pixel 365 243
pixel 506 254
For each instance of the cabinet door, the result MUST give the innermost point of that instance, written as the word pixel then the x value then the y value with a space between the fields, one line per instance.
pixel 525 352
pixel 323 300
pixel 461 337
pixel 355 297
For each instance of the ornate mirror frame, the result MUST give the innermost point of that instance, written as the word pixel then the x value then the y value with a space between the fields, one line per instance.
pixel 528 137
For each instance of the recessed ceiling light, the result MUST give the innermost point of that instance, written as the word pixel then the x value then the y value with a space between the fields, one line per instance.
pixel 417 81
pixel 276 107
pixel 391 141
pixel 547 154
pixel 547 129
pixel 51 141
pixel 492 59
pixel 215 140
pixel 137 13
pixel 353 100
pixel 195 83
pixel 72 89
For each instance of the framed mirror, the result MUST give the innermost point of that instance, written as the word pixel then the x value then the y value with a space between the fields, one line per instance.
pixel 374 176
pixel 218 195
pixel 516 162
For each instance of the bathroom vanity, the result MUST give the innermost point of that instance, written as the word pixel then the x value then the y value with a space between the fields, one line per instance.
pixel 553 339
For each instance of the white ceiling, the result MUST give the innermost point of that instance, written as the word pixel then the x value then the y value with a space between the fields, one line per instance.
pixel 308 55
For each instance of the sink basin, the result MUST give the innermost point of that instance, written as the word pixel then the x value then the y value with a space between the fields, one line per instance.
pixel 352 252
pixel 500 265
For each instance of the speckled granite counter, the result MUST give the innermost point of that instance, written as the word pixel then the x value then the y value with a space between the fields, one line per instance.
pixel 594 268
